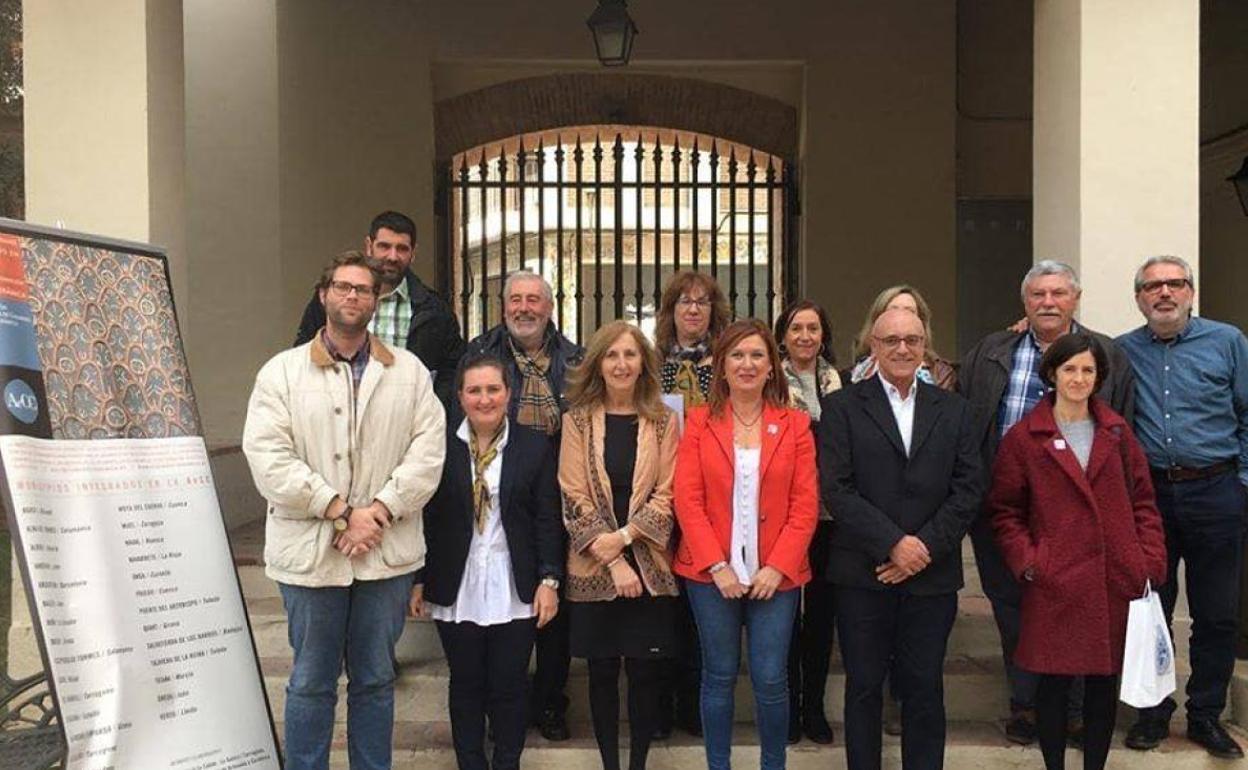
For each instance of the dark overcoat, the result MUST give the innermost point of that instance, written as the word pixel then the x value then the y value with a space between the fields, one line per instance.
pixel 1081 543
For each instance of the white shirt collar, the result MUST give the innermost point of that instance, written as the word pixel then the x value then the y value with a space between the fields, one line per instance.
pixel 465 436
pixel 894 393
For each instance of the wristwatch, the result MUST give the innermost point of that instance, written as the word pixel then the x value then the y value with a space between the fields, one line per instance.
pixel 341 520
pixel 717 566
pixel 551 583
pixel 626 536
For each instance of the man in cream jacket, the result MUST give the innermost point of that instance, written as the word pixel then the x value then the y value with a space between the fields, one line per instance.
pixel 345 439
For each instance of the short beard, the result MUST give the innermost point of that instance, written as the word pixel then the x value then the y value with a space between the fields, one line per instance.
pixel 335 319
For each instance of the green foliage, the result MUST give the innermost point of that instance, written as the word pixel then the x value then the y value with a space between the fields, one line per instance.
pixel 11 56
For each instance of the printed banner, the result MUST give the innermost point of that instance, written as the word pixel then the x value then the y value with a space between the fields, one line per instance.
pixel 115 521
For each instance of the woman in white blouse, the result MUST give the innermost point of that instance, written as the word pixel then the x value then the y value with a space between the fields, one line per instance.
pixel 493 564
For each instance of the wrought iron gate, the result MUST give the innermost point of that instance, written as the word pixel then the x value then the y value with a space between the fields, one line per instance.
pixel 606 213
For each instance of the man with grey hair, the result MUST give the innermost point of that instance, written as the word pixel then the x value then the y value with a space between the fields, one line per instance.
pixel 1001 378
pixel 1191 391
pixel 538 359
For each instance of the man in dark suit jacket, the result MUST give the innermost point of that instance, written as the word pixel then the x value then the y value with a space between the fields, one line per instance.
pixel 409 314
pixel 900 473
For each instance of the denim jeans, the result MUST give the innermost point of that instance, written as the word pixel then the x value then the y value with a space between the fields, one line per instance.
pixel 358 624
pixel 768 625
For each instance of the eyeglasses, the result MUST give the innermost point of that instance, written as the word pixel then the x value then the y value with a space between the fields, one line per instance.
pixel 344 289
pixel 893 341
pixel 684 303
pixel 1173 284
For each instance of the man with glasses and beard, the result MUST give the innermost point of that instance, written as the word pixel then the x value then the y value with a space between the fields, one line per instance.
pixel 409 314
pixel 1191 416
pixel 345 439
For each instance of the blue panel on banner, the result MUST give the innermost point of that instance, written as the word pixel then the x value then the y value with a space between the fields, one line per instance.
pixel 17 336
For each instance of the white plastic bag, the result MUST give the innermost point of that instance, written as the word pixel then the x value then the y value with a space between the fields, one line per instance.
pixel 1148 656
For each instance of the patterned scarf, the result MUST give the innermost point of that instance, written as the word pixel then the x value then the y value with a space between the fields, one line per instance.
pixel 480 461
pixel 685 379
pixel 538 408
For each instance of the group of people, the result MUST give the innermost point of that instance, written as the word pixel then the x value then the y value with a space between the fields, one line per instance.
pixel 527 493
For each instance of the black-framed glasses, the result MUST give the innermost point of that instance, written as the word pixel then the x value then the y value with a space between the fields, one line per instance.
pixel 1173 284
pixel 345 288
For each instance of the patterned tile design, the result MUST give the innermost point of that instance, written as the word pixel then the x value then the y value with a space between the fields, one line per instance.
pixel 108 341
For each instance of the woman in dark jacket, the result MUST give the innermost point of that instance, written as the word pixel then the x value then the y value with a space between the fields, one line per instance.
pixel 804 334
pixel 493 563
pixel 1074 514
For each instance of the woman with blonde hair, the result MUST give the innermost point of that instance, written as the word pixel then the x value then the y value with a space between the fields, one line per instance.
pixel 935 370
pixel 616 464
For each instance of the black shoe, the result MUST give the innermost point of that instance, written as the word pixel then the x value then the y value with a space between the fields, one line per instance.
pixel 1020 728
pixel 663 730
pixel 795 724
pixel 816 728
pixel 1147 733
pixel 553 726
pixel 1213 736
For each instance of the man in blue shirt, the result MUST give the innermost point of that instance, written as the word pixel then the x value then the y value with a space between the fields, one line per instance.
pixel 1191 415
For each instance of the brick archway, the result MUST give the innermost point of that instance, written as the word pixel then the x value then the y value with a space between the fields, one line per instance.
pixel 534 104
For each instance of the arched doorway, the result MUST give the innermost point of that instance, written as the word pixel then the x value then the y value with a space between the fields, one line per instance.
pixel 606 212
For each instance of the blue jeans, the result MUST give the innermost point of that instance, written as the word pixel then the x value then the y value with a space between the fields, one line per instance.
pixel 360 624
pixel 768 626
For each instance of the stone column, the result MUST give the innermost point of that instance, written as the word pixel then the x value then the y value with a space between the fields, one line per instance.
pixel 1116 143
pixel 104 137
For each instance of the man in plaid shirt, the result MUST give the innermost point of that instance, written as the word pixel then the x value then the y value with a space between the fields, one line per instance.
pixel 409 314
pixel 1000 376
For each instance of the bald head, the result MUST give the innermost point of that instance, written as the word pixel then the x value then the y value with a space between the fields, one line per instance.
pixel 898 343
pixel 897 321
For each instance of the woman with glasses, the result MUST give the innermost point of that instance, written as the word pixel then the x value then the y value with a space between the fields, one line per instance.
pixel 616 462
pixel 493 558
pixel 1074 514
pixel 805 336
pixel 747 500
pixel 934 371
pixel 692 313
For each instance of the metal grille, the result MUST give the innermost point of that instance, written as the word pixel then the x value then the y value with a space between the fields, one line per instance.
pixel 606 213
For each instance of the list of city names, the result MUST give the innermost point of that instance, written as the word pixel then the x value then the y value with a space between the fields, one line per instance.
pixel 139 604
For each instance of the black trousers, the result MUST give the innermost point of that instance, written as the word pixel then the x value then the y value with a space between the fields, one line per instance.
pixel 554 656
pixel 890 632
pixel 681 688
pixel 645 678
pixel 1204 523
pixel 489 675
pixel 810 649
pixel 1100 709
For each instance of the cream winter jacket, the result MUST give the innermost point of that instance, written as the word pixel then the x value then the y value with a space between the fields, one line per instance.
pixel 308 438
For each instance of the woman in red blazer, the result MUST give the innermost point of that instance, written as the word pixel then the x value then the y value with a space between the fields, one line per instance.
pixel 1073 510
pixel 747 499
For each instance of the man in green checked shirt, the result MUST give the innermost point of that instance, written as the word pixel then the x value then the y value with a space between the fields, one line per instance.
pixel 409 314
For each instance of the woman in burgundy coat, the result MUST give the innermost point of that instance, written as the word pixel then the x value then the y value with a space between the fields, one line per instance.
pixel 1073 511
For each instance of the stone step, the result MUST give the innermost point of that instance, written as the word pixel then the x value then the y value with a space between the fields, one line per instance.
pixel 969 746
pixel 975 691
pixel 974 633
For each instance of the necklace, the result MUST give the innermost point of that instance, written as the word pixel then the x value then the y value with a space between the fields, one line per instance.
pixel 751 423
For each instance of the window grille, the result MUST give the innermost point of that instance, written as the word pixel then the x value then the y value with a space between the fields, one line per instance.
pixel 606 214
